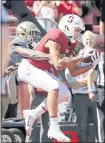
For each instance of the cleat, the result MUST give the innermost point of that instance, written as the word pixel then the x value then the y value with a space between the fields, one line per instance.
pixel 29 121
pixel 55 132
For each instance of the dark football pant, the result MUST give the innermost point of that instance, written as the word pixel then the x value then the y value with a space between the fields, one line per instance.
pixel 82 104
pixel 101 112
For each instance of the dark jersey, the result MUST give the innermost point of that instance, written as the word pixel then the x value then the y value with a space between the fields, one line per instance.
pixel 14 58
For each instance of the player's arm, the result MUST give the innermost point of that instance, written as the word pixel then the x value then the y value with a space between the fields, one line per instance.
pixel 78 83
pixel 72 64
pixel 79 70
pixel 90 79
pixel 29 53
pixel 57 60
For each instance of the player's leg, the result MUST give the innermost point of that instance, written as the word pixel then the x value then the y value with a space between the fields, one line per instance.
pixel 44 120
pixel 38 111
pixel 64 93
pixel 35 100
pixel 48 82
pixel 44 127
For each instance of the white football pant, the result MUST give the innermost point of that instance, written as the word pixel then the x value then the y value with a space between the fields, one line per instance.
pixel 43 80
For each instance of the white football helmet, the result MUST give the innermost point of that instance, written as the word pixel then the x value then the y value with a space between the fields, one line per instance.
pixel 68 24
pixel 29 31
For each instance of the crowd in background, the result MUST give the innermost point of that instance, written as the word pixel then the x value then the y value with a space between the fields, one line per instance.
pixel 90 11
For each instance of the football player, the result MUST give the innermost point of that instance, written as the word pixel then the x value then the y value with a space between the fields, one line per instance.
pixel 88 97
pixel 97 75
pixel 42 74
pixel 27 35
pixel 20 47
pixel 43 107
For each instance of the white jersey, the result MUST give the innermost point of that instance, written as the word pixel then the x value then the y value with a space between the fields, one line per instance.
pixel 70 79
pixel 101 70
pixel 82 90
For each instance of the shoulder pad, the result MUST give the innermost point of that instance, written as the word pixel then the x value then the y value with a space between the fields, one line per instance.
pixel 20 41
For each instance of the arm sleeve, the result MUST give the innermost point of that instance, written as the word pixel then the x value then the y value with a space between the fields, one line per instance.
pixel 60 38
pixel 18 41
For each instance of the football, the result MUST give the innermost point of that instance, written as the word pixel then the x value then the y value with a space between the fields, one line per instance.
pixel 96 53
pixel 87 60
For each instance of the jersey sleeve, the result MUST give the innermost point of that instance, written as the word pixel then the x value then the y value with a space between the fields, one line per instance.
pixel 15 58
pixel 18 41
pixel 60 38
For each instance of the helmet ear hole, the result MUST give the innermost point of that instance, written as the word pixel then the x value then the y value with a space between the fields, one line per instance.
pixel 66 27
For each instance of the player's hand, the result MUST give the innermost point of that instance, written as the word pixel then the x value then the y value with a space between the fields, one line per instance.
pixel 66 58
pixel 86 59
pixel 93 56
pixel 97 57
pixel 88 53
pixel 51 62
pixel 92 96
pixel 86 56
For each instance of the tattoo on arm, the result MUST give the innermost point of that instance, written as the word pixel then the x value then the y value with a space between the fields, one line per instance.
pixel 29 53
pixel 37 55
